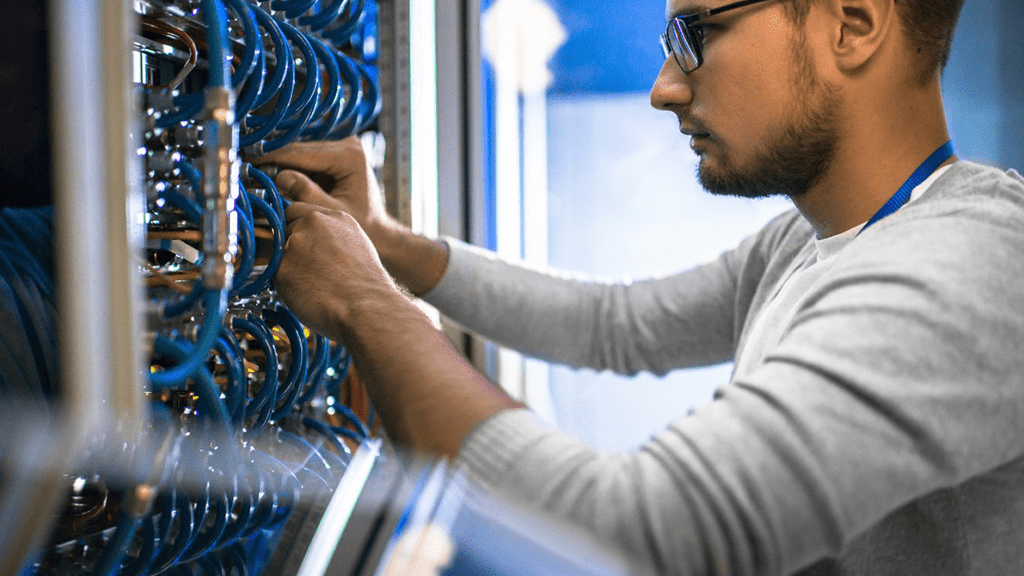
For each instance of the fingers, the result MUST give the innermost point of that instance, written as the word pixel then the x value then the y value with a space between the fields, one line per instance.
pixel 301 188
pixel 300 211
pixel 297 212
pixel 328 157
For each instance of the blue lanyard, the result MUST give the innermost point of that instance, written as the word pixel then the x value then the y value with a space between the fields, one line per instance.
pixel 902 196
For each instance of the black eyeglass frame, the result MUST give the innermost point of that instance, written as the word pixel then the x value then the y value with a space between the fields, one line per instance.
pixel 680 29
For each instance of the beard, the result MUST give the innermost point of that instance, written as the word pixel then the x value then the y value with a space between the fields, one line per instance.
pixel 797 154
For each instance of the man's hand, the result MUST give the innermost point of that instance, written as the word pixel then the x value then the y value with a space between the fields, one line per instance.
pixel 329 264
pixel 427 395
pixel 335 175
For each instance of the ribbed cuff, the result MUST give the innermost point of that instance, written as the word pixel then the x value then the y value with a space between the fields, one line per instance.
pixel 498 442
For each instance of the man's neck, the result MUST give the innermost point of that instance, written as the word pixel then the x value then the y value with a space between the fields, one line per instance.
pixel 881 151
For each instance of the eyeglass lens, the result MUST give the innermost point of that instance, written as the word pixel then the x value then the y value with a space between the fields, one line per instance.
pixel 684 46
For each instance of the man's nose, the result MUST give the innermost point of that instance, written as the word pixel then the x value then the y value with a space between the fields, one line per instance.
pixel 671 88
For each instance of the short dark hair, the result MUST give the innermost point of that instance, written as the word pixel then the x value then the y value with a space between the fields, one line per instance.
pixel 928 24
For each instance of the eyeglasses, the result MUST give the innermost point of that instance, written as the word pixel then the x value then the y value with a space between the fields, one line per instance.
pixel 685 41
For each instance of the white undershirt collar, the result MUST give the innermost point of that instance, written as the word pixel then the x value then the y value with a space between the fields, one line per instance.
pixel 829 247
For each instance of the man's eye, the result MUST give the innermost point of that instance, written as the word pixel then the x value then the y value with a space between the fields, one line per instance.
pixel 700 32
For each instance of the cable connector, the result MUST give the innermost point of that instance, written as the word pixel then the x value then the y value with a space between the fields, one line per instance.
pixel 220 188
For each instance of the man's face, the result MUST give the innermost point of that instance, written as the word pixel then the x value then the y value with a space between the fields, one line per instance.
pixel 762 122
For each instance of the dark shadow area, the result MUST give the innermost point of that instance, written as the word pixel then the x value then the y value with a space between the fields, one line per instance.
pixel 24 105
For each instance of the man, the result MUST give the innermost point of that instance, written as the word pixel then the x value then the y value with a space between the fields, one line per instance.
pixel 874 423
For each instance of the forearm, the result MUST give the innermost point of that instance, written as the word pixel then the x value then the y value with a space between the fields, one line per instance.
pixel 652 326
pixel 417 262
pixel 428 397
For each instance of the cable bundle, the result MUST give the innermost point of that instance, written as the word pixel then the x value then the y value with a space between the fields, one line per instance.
pixel 246 402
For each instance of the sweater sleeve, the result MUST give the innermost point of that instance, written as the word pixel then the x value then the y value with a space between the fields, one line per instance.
pixel 693 318
pixel 900 375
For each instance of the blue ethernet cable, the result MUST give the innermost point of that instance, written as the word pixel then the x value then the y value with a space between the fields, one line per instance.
pixel 247 248
pixel 216 19
pixel 262 282
pixel 236 381
pixel 341 32
pixel 311 453
pixel 259 332
pixel 281 84
pixel 253 47
pixel 273 196
pixel 288 390
pixel 329 112
pixel 191 362
pixel 292 8
pixel 317 367
pixel 300 113
pixel 191 366
pixel 328 434
pixel 325 16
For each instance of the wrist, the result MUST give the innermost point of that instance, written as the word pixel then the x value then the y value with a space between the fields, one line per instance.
pixel 415 261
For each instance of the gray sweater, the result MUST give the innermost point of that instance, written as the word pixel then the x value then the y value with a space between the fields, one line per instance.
pixel 882 434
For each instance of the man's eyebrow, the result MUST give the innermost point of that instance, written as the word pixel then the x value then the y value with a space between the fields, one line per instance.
pixel 685 11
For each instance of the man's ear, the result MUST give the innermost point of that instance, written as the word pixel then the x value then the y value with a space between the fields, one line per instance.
pixel 860 27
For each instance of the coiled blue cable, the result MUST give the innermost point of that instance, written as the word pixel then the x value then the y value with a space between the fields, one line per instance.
pixel 264 181
pixel 265 340
pixel 266 504
pixel 227 348
pixel 281 84
pixel 340 33
pixel 178 200
pixel 210 532
pixel 253 86
pixel 310 453
pixel 317 367
pixel 360 434
pixel 209 395
pixel 344 126
pixel 275 82
pixel 304 106
pixel 239 512
pixel 311 82
pixel 173 546
pixel 329 111
pixel 329 435
pixel 262 282
pixel 371 105
pixel 327 14
pixel 192 361
pixel 192 175
pixel 289 389
pixel 286 493
pixel 292 8
pixel 247 246
pixel 247 64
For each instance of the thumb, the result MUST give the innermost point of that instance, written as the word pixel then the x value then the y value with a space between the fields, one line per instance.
pixel 299 187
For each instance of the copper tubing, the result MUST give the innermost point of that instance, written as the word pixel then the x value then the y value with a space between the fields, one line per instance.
pixel 165 30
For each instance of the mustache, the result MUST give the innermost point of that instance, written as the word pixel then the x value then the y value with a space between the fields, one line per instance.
pixel 693 127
